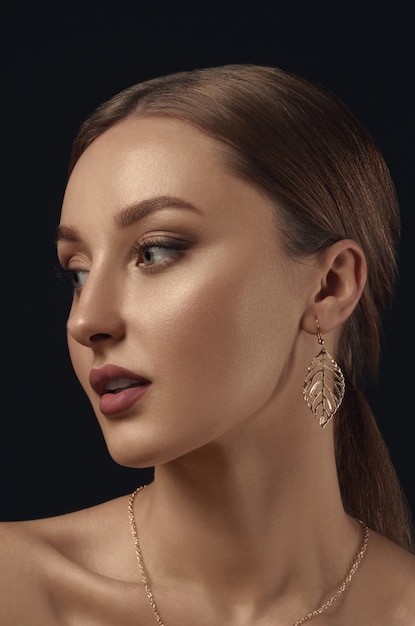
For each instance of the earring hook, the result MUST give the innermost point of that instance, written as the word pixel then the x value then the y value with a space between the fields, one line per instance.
pixel 319 337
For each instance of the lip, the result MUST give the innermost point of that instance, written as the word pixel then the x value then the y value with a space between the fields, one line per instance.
pixel 115 403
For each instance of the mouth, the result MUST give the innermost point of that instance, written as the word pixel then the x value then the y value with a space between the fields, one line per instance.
pixel 120 384
pixel 119 389
pixel 112 379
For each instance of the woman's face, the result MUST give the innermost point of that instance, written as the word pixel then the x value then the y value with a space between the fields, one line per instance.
pixel 185 308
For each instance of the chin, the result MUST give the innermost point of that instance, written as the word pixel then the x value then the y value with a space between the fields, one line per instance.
pixel 141 455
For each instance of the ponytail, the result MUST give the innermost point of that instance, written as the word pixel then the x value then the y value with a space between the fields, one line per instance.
pixel 370 487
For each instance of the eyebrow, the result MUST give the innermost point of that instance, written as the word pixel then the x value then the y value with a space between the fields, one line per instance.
pixel 131 215
pixel 66 233
pixel 137 211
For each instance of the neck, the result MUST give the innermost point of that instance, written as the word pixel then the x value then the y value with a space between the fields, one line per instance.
pixel 248 492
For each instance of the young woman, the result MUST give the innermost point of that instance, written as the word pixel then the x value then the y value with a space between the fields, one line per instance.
pixel 230 235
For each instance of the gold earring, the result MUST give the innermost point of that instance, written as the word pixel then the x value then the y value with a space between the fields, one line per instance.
pixel 324 385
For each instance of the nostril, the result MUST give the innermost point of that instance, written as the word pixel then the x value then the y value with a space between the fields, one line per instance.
pixel 99 337
pixel 91 322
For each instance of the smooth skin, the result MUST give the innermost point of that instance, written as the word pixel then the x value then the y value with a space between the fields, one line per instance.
pixel 180 277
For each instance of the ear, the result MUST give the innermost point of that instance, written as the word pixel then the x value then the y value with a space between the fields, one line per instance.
pixel 341 272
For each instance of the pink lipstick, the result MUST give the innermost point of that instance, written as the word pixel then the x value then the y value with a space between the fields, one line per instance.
pixel 118 388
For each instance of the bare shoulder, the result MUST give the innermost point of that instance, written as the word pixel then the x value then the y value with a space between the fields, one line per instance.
pixel 50 563
pixel 69 534
pixel 390 576
pixel 22 592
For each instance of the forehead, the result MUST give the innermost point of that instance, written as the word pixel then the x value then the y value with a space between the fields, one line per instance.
pixel 147 157
pixel 145 147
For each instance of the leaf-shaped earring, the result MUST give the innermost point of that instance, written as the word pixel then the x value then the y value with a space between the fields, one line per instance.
pixel 324 384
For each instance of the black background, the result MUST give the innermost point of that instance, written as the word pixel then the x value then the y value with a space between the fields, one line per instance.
pixel 58 64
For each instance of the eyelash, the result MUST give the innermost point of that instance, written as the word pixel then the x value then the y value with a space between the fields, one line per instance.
pixel 67 275
pixel 154 242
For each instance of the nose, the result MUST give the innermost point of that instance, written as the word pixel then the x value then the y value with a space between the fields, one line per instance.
pixel 96 313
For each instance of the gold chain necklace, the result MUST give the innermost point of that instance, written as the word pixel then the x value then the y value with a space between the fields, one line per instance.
pixel 346 582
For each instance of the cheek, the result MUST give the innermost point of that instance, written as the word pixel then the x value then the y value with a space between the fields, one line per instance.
pixel 81 359
pixel 220 343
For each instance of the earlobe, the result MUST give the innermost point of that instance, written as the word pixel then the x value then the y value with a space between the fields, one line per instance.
pixel 343 271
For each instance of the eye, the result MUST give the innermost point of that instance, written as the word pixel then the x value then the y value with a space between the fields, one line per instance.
pixel 77 278
pixel 155 254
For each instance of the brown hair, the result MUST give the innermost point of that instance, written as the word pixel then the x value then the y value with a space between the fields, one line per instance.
pixel 303 147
